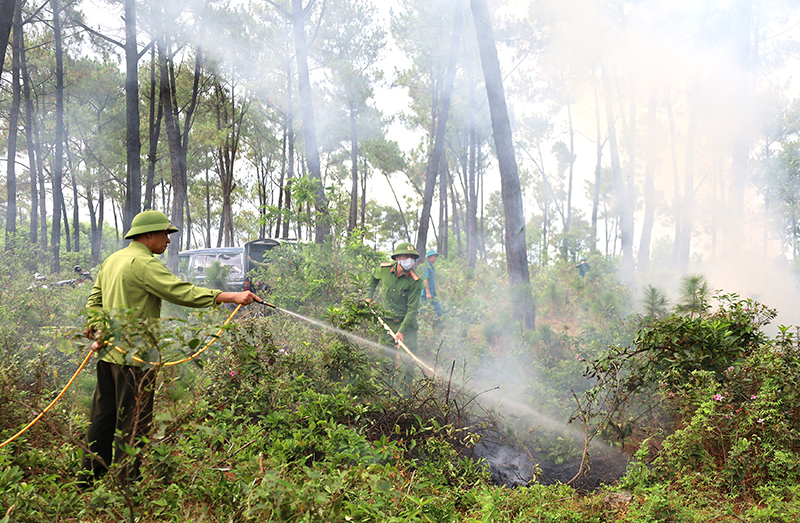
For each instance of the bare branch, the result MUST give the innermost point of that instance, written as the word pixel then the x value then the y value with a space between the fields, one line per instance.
pixel 99 35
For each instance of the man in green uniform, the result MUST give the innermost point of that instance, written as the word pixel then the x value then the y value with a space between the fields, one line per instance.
pixel 400 289
pixel 123 399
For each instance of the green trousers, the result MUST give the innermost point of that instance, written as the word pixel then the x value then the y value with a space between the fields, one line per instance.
pixel 122 410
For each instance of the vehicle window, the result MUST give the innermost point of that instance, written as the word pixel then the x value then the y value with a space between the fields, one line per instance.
pixel 257 254
pixel 234 261
pixel 203 261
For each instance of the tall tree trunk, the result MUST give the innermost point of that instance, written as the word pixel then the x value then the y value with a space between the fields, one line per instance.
pixel 7 8
pixel 287 124
pixel 471 189
pixel 322 227
pixel 67 236
pixel 688 182
pixel 570 175
pixel 676 184
pixel 649 183
pixel 280 182
pixel 208 212
pixel 353 218
pixel 598 171
pixel 133 142
pixel 33 166
pixel 177 140
pixel 76 224
pixel 438 152
pixel 156 114
pixel 510 190
pixel 624 203
pixel 287 195
pixel 363 194
pixel 176 158
pixel 188 225
pixel 229 124
pixel 456 217
pixel 58 198
pixel 443 218
pixel 261 187
pixel 744 57
pixel 96 218
pixel 13 129
pixel 42 202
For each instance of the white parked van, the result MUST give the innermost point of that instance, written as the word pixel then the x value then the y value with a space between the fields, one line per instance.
pixel 240 261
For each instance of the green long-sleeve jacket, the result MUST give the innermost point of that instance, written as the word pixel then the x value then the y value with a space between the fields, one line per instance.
pixel 133 278
pixel 399 294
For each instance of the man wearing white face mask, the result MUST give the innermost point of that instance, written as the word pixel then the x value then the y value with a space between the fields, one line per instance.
pixel 400 294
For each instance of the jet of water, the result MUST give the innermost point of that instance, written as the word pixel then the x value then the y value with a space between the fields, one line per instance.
pixel 349 335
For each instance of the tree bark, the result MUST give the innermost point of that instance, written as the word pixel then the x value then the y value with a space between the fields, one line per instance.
pixel 649 183
pixel 456 204
pixel 33 166
pixel 156 115
pixel 353 218
pixel 67 236
pixel 285 155
pixel 598 170
pixel 177 140
pixel 231 124
pixel 177 155
pixel 58 198
pixel 76 224
pixel 624 202
pixel 208 212
pixel 442 246
pixel 687 213
pixel 676 198
pixel 133 142
pixel 363 194
pixel 287 195
pixel 511 193
pixel 13 129
pixel 743 55
pixel 472 194
pixel 322 223
pixel 7 8
pixel 96 218
pixel 438 152
pixel 570 176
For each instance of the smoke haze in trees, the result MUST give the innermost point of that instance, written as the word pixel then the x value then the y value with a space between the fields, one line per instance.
pixel 719 73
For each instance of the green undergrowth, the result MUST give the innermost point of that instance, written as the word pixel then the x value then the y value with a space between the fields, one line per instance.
pixel 280 420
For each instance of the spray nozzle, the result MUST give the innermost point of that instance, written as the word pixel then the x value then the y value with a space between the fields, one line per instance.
pixel 262 302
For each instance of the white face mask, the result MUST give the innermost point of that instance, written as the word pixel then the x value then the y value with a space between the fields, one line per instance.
pixel 406 264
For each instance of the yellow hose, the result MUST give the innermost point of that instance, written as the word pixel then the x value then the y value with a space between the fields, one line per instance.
pixel 37 418
pixel 196 354
pixel 86 360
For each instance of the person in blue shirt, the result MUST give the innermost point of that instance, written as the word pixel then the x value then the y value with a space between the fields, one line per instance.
pixel 429 277
pixel 582 267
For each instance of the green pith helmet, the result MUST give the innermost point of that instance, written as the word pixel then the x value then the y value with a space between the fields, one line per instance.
pixel 150 221
pixel 405 248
